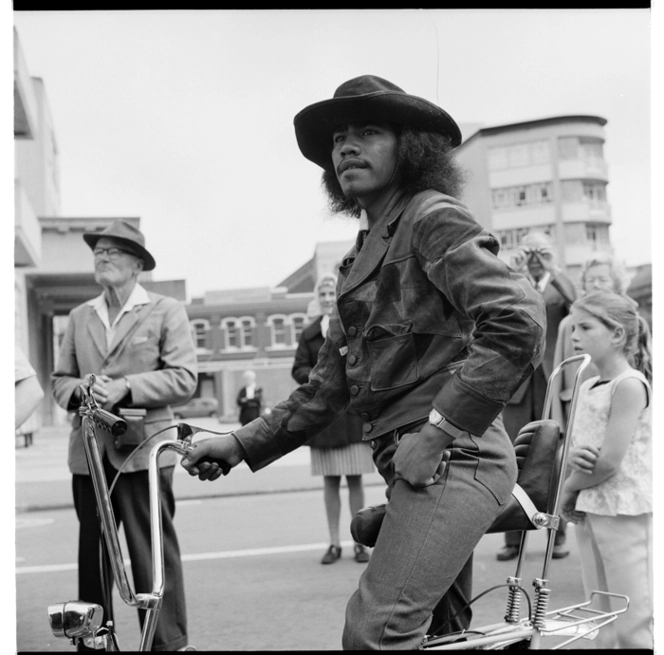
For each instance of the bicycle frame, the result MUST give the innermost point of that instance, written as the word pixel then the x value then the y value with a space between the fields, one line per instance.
pixel 81 621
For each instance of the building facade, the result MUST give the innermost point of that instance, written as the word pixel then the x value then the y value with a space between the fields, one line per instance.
pixel 256 329
pixel 549 175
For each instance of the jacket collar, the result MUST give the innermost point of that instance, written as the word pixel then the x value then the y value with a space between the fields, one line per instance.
pixel 364 258
pixel 138 300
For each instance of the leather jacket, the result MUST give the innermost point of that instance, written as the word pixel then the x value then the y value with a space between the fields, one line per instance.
pixel 428 316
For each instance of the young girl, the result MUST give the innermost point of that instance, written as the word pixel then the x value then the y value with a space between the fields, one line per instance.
pixel 608 493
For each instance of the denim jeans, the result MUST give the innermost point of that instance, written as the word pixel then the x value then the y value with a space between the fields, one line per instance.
pixel 427 538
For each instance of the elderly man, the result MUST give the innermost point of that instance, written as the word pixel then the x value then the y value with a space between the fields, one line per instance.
pixel 431 336
pixel 537 259
pixel 139 345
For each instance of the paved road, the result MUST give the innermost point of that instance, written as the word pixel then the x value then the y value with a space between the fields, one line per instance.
pixel 251 548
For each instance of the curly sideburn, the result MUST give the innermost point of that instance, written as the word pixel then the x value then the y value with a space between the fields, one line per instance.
pixel 425 160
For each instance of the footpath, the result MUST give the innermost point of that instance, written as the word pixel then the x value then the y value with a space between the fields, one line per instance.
pixel 43 481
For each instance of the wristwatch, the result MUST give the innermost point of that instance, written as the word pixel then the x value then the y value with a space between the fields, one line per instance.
pixel 438 420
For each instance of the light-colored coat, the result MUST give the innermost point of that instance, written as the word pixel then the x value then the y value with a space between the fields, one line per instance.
pixel 153 348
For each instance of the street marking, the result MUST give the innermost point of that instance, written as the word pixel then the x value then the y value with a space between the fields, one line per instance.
pixel 196 557
pixel 32 523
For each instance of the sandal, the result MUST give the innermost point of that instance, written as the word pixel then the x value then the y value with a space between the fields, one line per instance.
pixel 332 555
pixel 361 554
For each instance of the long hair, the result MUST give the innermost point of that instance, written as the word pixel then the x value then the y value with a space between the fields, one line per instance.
pixel 425 160
pixel 617 310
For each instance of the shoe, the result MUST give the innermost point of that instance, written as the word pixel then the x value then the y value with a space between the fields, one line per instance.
pixel 559 552
pixel 507 553
pixel 361 554
pixel 332 555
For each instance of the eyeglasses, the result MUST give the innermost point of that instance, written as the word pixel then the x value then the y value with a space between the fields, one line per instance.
pixel 113 252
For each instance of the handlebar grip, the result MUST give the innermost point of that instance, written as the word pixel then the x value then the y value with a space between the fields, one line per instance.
pixel 110 422
pixel 223 465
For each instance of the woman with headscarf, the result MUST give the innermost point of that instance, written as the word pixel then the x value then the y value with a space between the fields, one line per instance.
pixel 338 450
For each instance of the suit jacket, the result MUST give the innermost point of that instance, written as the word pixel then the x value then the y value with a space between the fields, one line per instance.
pixel 559 294
pixel 153 348
pixel 347 428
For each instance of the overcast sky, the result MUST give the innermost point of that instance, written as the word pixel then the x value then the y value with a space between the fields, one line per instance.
pixel 185 118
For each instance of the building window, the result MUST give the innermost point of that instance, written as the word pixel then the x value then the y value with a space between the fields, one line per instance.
pixel 539 152
pixel 278 325
pixel 594 193
pixel 518 196
pixel 497 158
pixel 519 154
pixel 597 234
pixel 247 332
pixel 231 330
pixel 592 151
pixel 568 147
pixel 239 332
pixel 199 330
pixel 297 325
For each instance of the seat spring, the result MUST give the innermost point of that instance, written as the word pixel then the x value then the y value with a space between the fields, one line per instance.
pixel 541 606
pixel 513 605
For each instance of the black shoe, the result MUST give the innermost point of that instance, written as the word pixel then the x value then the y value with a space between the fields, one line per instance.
pixel 507 553
pixel 332 555
pixel 559 551
pixel 361 554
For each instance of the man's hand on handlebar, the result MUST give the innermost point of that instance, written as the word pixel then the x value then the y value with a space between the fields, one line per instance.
pixel 108 392
pixel 205 457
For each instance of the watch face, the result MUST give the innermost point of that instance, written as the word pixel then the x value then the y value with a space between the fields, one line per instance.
pixel 435 417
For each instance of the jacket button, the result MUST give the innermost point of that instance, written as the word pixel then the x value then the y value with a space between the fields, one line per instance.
pixel 355 390
pixel 367 427
pixel 352 359
pixel 364 416
pixel 352 331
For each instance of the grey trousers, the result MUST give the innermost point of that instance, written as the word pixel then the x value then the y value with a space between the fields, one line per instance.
pixel 427 538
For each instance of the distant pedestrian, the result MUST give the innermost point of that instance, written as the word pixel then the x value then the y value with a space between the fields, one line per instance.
pixel 249 398
pixel 339 449
pixel 608 493
pixel 537 260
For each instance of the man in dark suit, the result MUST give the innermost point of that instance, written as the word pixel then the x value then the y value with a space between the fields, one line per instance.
pixel 537 260
pixel 139 346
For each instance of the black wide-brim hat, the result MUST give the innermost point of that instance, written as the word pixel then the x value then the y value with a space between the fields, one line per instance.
pixel 130 237
pixel 367 97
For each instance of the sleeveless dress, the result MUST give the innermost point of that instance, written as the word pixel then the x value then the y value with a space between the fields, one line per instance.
pixel 629 491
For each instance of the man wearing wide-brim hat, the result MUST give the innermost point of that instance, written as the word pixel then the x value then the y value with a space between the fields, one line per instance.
pixel 432 335
pixel 139 346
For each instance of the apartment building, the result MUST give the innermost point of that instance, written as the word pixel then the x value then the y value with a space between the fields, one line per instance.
pixel 548 174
